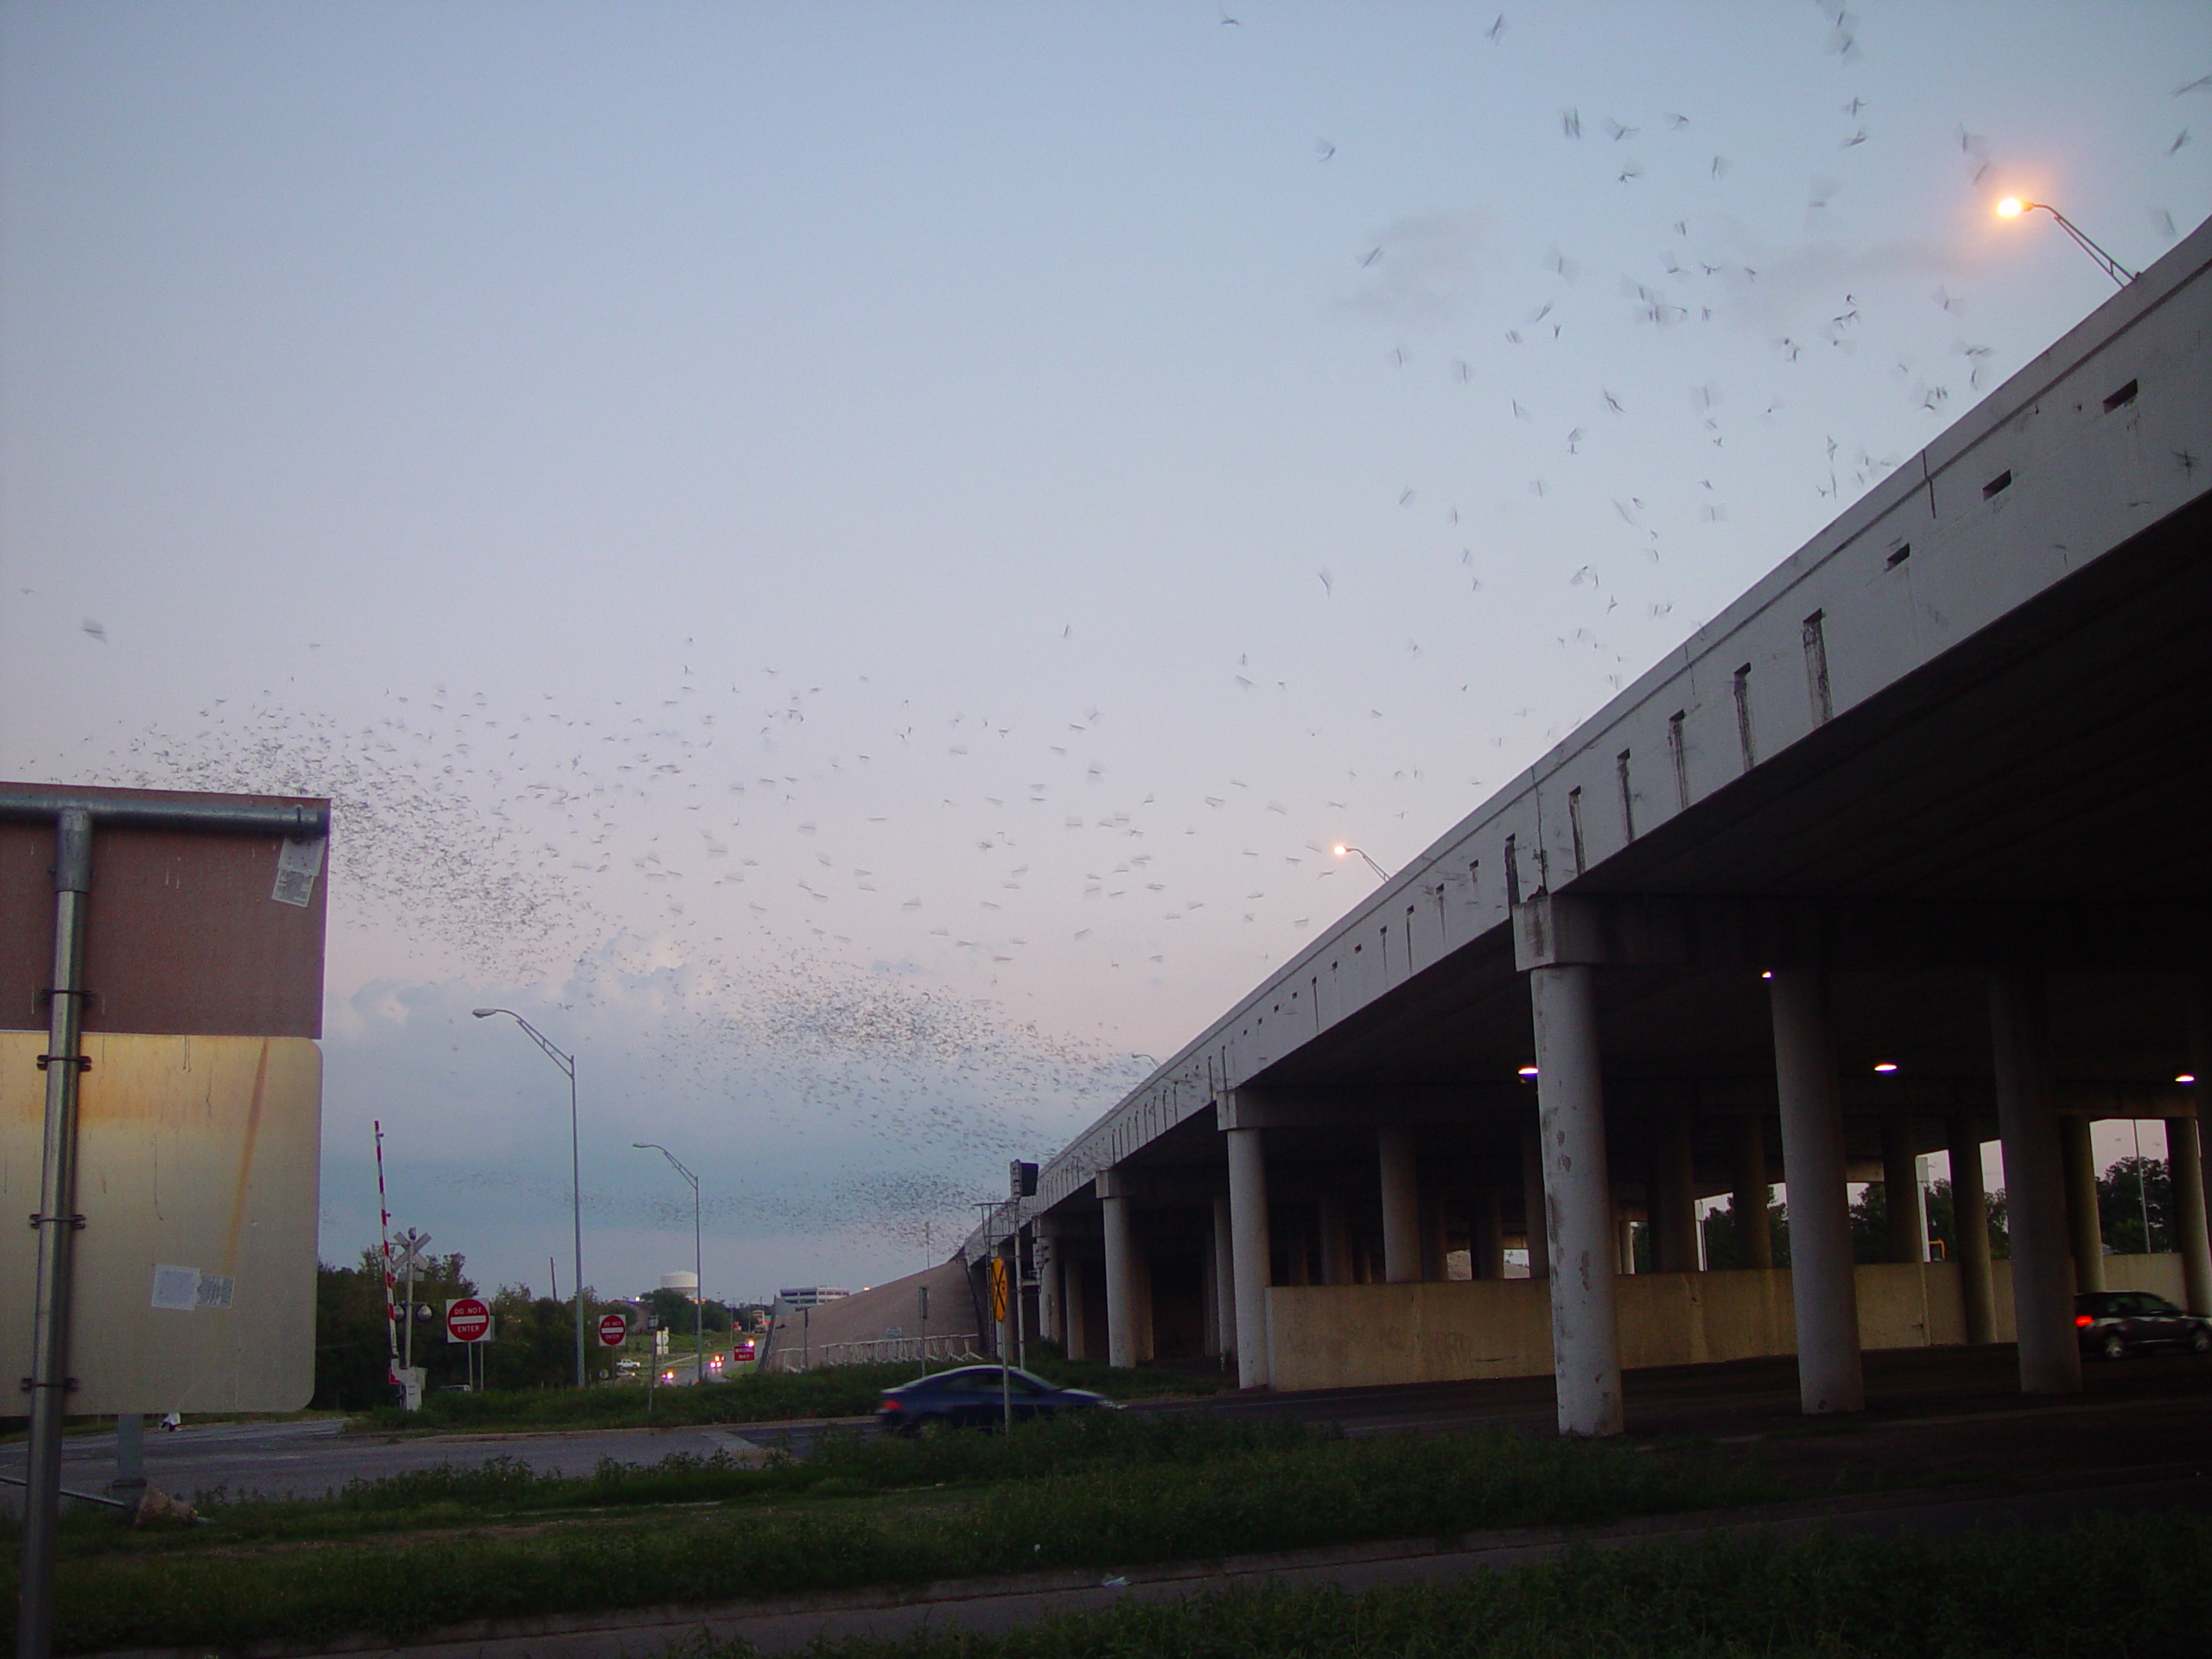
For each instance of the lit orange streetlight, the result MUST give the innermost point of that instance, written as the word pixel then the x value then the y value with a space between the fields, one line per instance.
pixel 1341 849
pixel 2013 207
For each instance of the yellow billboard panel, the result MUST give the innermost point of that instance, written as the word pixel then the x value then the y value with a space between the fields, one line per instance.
pixel 198 1174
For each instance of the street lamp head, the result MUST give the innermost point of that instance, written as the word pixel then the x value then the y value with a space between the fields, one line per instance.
pixel 485 1013
pixel 2014 206
pixel 1344 848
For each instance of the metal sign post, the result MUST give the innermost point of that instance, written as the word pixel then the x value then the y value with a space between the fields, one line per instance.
pixel 999 1312
pixel 57 1222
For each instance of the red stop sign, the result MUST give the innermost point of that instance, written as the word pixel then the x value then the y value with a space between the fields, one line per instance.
pixel 614 1330
pixel 467 1319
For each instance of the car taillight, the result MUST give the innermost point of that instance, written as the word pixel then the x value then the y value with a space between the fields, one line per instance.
pixel 2082 1321
pixel 889 1405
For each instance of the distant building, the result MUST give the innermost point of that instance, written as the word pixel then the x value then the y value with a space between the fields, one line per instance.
pixel 810 1296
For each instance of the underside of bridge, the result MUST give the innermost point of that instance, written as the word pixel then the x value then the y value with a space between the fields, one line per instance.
pixel 1999 859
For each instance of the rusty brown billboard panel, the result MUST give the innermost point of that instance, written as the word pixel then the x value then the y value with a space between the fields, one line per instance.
pixel 184 934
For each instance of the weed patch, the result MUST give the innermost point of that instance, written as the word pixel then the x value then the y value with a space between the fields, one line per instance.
pixel 1101 1491
pixel 2021 1595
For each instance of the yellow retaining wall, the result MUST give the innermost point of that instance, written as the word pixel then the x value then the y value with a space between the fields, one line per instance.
pixel 1357 1336
pixel 2159 1275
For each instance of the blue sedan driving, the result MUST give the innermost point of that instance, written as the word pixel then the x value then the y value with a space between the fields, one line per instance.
pixel 978 1396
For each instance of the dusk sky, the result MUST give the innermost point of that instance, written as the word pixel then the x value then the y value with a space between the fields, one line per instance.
pixel 852 562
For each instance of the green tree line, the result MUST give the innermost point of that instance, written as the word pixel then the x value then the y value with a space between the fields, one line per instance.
pixel 533 1343
pixel 2130 1194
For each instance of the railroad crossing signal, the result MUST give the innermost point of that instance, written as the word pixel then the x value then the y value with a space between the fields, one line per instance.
pixel 409 1255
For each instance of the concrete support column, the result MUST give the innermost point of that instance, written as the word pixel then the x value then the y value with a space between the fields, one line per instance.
pixel 1144 1304
pixel 1073 1307
pixel 1336 1241
pixel 1047 1258
pixel 2200 1067
pixel 2085 1239
pixel 1823 1283
pixel 1401 1206
pixel 1532 1198
pixel 1211 1291
pixel 1120 1271
pixel 1624 1236
pixel 1224 1277
pixel 1577 1200
pixel 1907 1216
pixel 1970 1230
pixel 1673 1207
pixel 2185 1168
pixel 1436 1210
pixel 1486 1238
pixel 1754 1236
pixel 2035 1186
pixel 1248 1215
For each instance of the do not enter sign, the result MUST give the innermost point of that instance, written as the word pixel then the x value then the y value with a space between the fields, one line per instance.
pixel 614 1330
pixel 467 1319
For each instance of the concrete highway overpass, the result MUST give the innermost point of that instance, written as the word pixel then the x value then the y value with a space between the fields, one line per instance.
pixel 1933 795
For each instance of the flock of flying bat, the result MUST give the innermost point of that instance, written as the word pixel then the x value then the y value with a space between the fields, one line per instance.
pixel 549 842
pixel 1693 287
pixel 675 889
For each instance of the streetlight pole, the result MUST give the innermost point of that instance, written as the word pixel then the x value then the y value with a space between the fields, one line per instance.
pixel 2013 207
pixel 568 1064
pixel 1341 849
pixel 698 1267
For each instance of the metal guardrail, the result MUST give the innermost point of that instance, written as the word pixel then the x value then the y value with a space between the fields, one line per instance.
pixel 1005 1218
pixel 959 1347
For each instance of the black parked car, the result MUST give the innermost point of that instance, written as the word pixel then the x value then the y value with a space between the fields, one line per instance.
pixel 2114 1323
pixel 971 1398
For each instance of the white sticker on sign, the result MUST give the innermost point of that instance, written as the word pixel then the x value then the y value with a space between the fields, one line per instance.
pixel 187 1290
pixel 297 866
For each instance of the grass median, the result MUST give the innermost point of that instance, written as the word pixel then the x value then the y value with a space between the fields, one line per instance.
pixel 1104 1492
pixel 761 1397
pixel 2139 1585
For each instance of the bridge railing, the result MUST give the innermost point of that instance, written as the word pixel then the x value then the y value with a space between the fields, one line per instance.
pixel 957 1348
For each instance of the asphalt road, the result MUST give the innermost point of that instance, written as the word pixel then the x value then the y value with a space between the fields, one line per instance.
pixel 1946 1415
pixel 307 1459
